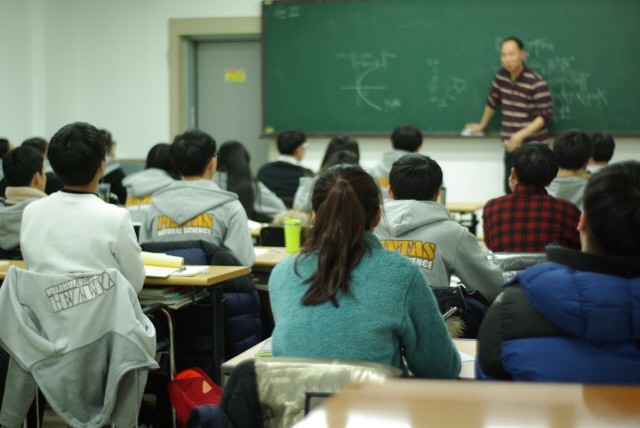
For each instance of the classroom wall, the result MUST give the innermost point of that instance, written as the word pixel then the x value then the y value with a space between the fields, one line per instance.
pixel 105 62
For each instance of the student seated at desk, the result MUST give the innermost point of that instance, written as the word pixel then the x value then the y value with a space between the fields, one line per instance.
pixel 415 225
pixel 345 296
pixel 195 207
pixel 24 172
pixel 576 318
pixel 73 230
pixel 572 150
pixel 158 173
pixel 234 174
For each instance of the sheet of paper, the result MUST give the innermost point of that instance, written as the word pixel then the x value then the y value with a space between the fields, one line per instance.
pixel 158 271
pixel 465 357
pixel 191 270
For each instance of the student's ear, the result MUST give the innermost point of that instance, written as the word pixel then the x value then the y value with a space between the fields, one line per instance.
pixel 436 197
pixel 38 180
pixel 513 179
pixel 582 224
pixel 213 165
pixel 390 192
pixel 101 167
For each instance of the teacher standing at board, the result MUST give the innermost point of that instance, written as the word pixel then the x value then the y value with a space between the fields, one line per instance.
pixel 525 99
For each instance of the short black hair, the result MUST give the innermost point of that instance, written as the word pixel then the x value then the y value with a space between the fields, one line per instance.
pixel 611 201
pixel 75 153
pixel 339 158
pixel 513 39
pixel 4 147
pixel 415 176
pixel 602 147
pixel 288 141
pixel 108 139
pixel 192 151
pixel 406 137
pixel 338 144
pixel 20 164
pixel 535 164
pixel 158 157
pixel 38 143
pixel 572 150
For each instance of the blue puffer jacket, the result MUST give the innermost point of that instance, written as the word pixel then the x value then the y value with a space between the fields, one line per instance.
pixel 574 319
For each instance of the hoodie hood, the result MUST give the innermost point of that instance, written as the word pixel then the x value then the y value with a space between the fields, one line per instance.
pixel 183 200
pixel 593 305
pixel 146 182
pixel 382 169
pixel 403 216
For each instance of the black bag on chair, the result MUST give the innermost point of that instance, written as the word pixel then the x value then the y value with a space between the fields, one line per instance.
pixel 469 307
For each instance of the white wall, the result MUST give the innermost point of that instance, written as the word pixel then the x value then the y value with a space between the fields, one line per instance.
pixel 105 62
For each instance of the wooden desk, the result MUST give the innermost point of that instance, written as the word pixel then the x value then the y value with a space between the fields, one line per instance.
pixel 466 209
pixel 216 275
pixel 269 256
pixel 431 403
pixel 468 346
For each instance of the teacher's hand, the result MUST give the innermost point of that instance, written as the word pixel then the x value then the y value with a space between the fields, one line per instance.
pixel 475 127
pixel 514 142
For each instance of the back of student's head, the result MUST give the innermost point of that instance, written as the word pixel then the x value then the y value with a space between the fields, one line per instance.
pixel 572 150
pixel 602 147
pixel 75 153
pixel 346 202
pixel 406 137
pixel 5 146
pixel 20 164
pixel 108 140
pixel 38 143
pixel 415 176
pixel 192 151
pixel 535 164
pixel 338 144
pixel 611 207
pixel 158 157
pixel 288 141
pixel 233 157
pixel 340 157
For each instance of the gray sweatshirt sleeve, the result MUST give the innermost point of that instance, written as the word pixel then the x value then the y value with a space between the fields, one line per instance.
pixel 302 198
pixel 238 237
pixel 128 254
pixel 474 268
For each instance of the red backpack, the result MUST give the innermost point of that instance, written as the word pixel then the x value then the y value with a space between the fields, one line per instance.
pixel 191 388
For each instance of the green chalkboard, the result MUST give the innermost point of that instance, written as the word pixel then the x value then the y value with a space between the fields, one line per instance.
pixel 365 67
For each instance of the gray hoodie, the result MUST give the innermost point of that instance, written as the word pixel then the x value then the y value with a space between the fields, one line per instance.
pixel 568 188
pixel 199 209
pixel 140 186
pixel 423 231
pixel 10 221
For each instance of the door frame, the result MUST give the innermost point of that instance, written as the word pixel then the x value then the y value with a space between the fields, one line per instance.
pixel 183 34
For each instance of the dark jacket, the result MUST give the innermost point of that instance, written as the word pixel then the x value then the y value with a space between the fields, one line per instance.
pixel 282 179
pixel 243 326
pixel 573 319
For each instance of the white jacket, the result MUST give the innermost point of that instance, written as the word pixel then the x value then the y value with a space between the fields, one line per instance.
pixel 82 338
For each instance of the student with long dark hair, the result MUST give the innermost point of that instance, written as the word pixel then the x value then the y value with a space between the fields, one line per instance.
pixel 234 174
pixel 345 296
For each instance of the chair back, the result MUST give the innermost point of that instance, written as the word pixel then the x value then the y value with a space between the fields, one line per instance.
pixel 286 385
pixel 513 263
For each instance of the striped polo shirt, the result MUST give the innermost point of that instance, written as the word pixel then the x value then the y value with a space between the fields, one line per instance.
pixel 522 100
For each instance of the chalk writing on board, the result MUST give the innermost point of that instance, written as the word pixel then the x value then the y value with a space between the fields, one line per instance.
pixel 367 92
pixel 443 91
pixel 286 12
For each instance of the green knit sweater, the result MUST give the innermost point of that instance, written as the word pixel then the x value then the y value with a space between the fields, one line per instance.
pixel 390 312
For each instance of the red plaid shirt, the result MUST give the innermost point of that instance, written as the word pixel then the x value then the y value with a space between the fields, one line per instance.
pixel 528 220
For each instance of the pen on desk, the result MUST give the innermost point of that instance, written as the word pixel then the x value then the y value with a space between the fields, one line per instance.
pixel 275 250
pixel 451 312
